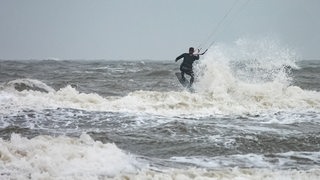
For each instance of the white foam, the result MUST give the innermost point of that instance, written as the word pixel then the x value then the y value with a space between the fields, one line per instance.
pixel 234 173
pixel 45 157
pixel 306 160
pixel 245 99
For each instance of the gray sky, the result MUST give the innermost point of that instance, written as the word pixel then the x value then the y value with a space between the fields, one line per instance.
pixel 149 29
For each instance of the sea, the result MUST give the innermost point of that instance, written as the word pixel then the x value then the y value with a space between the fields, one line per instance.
pixel 255 114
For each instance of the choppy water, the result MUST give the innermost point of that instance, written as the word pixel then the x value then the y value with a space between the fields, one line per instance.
pixel 252 117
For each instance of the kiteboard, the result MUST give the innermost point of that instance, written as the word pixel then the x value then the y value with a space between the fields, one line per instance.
pixel 184 82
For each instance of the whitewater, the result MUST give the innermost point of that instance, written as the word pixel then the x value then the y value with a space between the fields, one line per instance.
pixel 254 115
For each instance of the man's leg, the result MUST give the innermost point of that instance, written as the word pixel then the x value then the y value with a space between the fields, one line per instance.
pixel 191 74
pixel 182 76
pixel 191 80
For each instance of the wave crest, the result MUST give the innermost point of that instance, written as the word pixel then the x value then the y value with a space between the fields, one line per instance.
pixel 29 84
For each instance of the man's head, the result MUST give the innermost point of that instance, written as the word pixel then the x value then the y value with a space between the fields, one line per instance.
pixel 191 50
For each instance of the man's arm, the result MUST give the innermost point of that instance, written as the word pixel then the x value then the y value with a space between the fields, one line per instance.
pixel 201 53
pixel 196 57
pixel 179 57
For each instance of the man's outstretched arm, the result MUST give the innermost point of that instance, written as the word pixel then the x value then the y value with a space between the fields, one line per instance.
pixel 179 57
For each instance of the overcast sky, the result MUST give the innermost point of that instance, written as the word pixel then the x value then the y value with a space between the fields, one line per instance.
pixel 150 29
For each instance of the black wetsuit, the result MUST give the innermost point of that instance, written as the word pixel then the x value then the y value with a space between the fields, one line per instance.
pixel 186 65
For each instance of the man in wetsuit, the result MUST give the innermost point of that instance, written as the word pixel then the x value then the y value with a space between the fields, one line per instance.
pixel 186 65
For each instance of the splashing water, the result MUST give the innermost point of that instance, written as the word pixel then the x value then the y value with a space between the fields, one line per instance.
pixel 246 61
pixel 252 75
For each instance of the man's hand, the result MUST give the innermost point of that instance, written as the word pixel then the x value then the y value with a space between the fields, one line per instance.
pixel 204 52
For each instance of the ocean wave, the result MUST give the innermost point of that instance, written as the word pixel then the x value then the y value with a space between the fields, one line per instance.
pixel 250 77
pixel 62 157
pixel 28 84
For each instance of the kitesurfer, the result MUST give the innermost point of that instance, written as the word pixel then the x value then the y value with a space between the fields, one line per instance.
pixel 187 63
